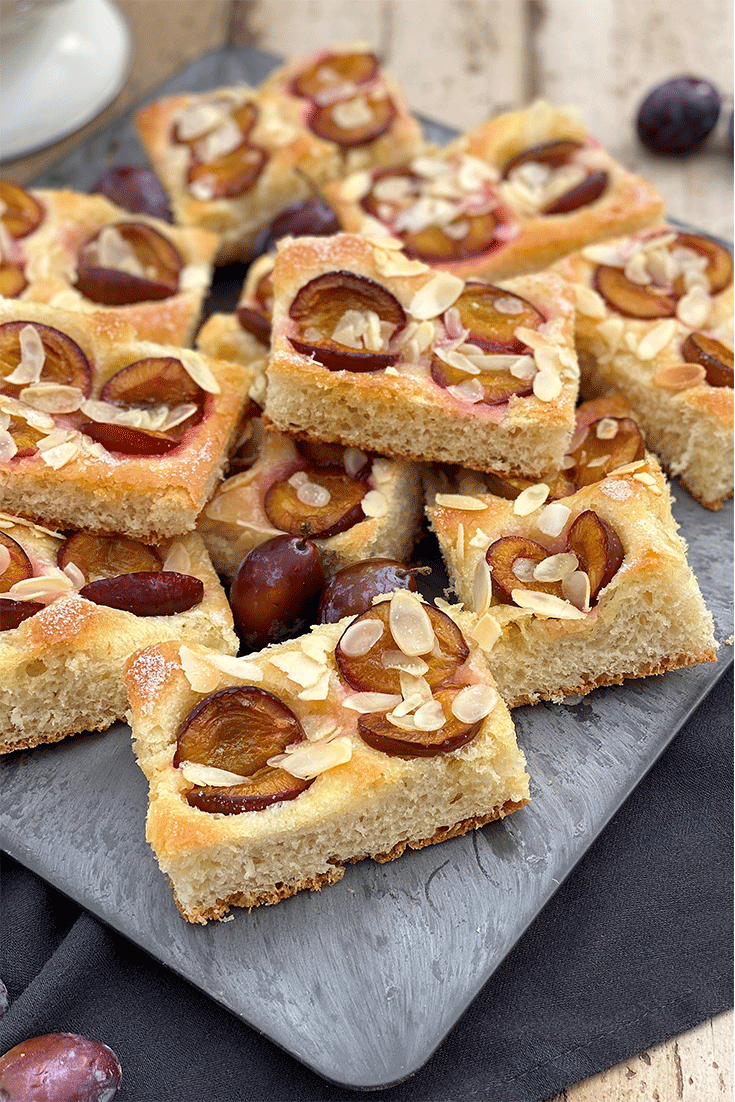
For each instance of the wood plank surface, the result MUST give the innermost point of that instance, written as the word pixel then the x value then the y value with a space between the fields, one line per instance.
pixel 460 61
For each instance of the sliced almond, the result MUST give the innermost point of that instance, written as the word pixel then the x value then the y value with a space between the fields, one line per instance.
pixel 436 296
pixel 680 376
pixel 371 702
pixel 298 668
pixel 240 668
pixel 486 632
pixel 552 518
pixel 576 589
pixel 459 501
pixel 52 397
pixel 178 559
pixel 656 339
pixel 474 702
pixel 199 672
pixel 410 625
pixel 555 568
pixel 209 775
pixel 530 499
pixel 546 604
pixel 360 637
pixel 199 371
pixel 589 303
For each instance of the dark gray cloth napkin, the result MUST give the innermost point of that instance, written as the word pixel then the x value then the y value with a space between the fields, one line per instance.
pixel 635 947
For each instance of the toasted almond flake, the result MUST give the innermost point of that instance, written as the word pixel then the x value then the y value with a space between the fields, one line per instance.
pixel 32 358
pixel 436 296
pixel 319 690
pixel 524 367
pixel 403 722
pixel 58 456
pixel 210 776
pixel 298 668
pixel 459 501
pixel 360 637
pixel 645 478
pixel 607 428
pixel 693 309
pixel 315 647
pixel 598 461
pixel 481 540
pixel 371 702
pixel 355 187
pixel 75 575
pixel 351 113
pixel 5 560
pixel 52 397
pixel 178 559
pixel 524 569
pixel 474 702
pixel 199 672
pixel 200 372
pixel 680 376
pixel 486 632
pixel 409 624
pixel 576 589
pixel 45 587
pixel 8 446
pixel 309 759
pixel 374 504
pixel 197 118
pixel 429 716
pixel 530 499
pixel 225 138
pixel 629 468
pixel 353 460
pixel 456 360
pixel 243 669
pixel 555 568
pixel 391 263
pixel 547 386
pixel 552 518
pixel 589 302
pixel 397 660
pixel 546 604
pixel 470 390
pixel 611 331
pixel 614 255
pixel 636 269
pixel 656 339
pixel 481 588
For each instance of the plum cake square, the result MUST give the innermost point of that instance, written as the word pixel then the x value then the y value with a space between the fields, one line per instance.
pixel 383 353
pixel 82 252
pixel 104 432
pixel 577 592
pixel 74 606
pixel 268 774
pixel 655 322
pixel 507 197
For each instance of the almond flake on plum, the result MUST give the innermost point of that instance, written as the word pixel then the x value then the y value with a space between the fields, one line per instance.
pixel 410 624
pixel 556 567
pixel 474 702
pixel 8 446
pixel 4 558
pixel 680 376
pixel 361 637
pixel 470 390
pixel 553 518
pixel 367 702
pixel 199 371
pixel 32 358
pixel 309 759
pixel 397 660
pixel 546 604
pixel 630 468
pixel 576 589
pixel 530 499
pixel 199 672
pixel 429 716
pixel 436 296
pixel 52 397
pixel 589 302
pixel 196 773
pixel 298 668
pixel 75 575
pixel 46 587
pixel 547 386
pixel 656 339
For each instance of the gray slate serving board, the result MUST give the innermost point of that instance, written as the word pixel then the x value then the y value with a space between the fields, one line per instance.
pixel 362 981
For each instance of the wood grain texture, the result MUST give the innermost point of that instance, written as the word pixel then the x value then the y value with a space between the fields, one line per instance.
pixel 460 61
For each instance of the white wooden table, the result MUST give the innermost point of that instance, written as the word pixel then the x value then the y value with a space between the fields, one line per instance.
pixel 460 61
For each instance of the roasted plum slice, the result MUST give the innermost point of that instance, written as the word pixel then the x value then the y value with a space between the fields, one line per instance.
pixel 712 355
pixel 510 486
pixel 604 445
pixel 322 305
pixel 13 613
pixel 355 121
pixel 12 279
pixel 315 502
pixel 228 176
pixel 152 380
pixel 238 730
pixel 582 194
pixel 312 217
pixel 492 316
pixel 402 630
pixel 134 188
pixel 245 116
pixel 719 261
pixel 17 566
pixel 377 731
pixel 276 590
pixel 554 154
pixel 98 556
pixel 320 453
pixel 598 549
pixel 21 212
pixel 350 591
pixel 127 440
pixel 127 263
pixel 512 561
pixel 255 314
pixel 334 74
pixel 466 236
pixel 147 592
pixel 63 360
pixel 633 300
pixel 497 386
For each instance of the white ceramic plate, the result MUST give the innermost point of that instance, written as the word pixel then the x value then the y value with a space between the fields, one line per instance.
pixel 58 71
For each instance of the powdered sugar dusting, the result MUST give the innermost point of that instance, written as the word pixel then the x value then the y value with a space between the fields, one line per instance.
pixel 147 674
pixel 616 488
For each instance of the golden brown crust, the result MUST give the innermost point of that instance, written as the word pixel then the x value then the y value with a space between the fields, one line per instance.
pixel 144 497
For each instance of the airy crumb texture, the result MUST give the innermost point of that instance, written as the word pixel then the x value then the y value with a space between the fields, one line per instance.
pixel 372 805
pixel 650 617
pixel 61 669
pixel 401 411
pixel 690 428
pixel 235 520
pixel 79 483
